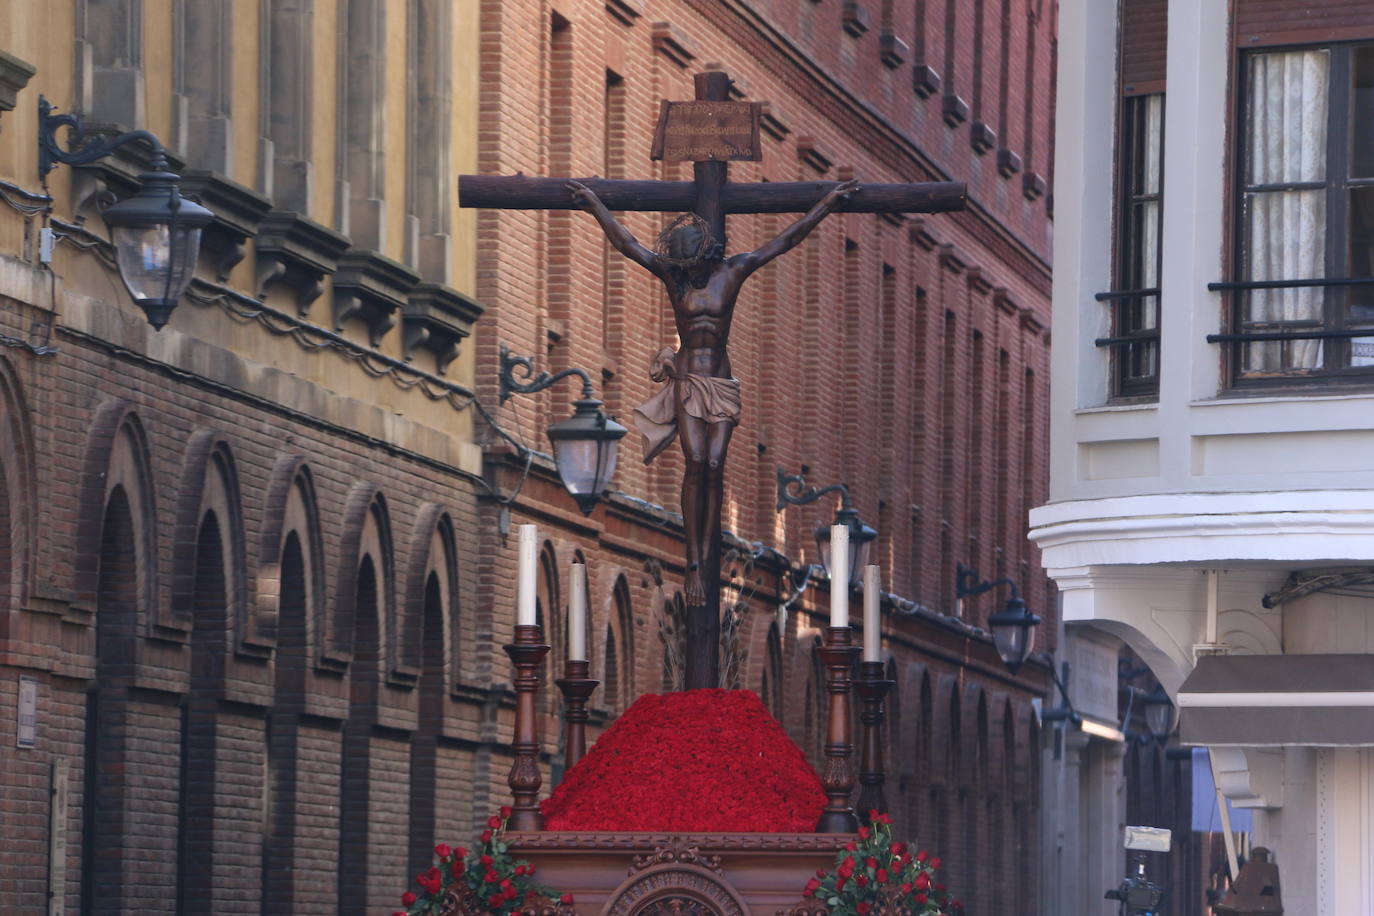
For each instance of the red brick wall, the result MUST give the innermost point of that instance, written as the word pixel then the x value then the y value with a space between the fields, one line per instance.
pixel 182 730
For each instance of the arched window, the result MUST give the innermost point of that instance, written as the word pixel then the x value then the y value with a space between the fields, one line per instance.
pixel 431 809
pixel 625 625
pixel 198 815
pixel 104 814
pixel 298 784
pixel 355 784
pixel 610 684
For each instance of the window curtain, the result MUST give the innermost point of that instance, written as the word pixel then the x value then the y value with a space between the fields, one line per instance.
pixel 1286 121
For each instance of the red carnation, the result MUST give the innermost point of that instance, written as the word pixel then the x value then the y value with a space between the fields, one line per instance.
pixel 443 851
pixel 566 900
pixel 408 898
pixel 871 862
pixel 861 880
pixel 505 812
pixel 846 867
pixel 708 732
pixel 922 881
pixel 898 848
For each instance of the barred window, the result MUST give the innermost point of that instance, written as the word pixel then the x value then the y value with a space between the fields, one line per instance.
pixel 1303 303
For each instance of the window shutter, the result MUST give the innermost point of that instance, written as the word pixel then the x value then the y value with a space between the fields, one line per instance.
pixel 1272 22
pixel 1144 45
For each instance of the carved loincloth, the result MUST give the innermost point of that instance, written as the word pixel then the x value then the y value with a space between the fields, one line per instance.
pixel 715 400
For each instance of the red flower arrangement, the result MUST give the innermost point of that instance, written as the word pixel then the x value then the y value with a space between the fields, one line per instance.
pixel 484 879
pixel 873 873
pixel 700 761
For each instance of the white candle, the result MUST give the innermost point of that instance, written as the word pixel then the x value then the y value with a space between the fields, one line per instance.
pixel 839 575
pixel 873 636
pixel 529 555
pixel 577 615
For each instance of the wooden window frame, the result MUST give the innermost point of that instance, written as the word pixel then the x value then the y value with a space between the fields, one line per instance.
pixel 1336 266
pixel 1130 336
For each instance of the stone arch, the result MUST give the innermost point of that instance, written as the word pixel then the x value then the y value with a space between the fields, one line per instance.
pixel 117 458
pixel 366 541
pixel 433 566
pixel 16 495
pixel 291 550
pixel 209 489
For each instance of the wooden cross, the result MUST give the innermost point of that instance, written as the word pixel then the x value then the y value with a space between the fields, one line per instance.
pixel 709 135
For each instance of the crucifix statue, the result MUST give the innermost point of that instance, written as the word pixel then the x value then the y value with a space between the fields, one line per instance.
pixel 701 401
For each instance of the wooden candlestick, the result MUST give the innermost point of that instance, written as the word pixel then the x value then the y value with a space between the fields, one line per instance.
pixel 872 686
pixel 527 654
pixel 837 654
pixel 576 687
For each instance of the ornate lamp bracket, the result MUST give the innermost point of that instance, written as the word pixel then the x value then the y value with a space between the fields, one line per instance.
pixel 83 151
pixel 511 385
pixel 793 491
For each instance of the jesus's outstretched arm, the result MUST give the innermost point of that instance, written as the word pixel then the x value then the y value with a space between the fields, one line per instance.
pixel 618 235
pixel 790 237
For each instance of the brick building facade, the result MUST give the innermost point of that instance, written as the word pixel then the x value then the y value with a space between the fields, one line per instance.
pixel 253 566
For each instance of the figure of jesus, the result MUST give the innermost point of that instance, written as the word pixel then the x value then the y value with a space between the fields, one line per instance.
pixel 701 400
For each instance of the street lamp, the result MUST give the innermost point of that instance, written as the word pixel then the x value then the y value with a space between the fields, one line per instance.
pixel 792 491
pixel 155 233
pixel 1011 627
pixel 1159 714
pixel 585 445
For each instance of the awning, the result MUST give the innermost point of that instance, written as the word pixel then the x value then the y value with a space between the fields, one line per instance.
pixel 1275 700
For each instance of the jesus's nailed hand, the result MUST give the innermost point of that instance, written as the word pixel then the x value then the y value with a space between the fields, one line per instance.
pixel 843 191
pixel 582 196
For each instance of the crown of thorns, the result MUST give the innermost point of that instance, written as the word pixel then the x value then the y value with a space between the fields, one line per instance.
pixel 703 247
